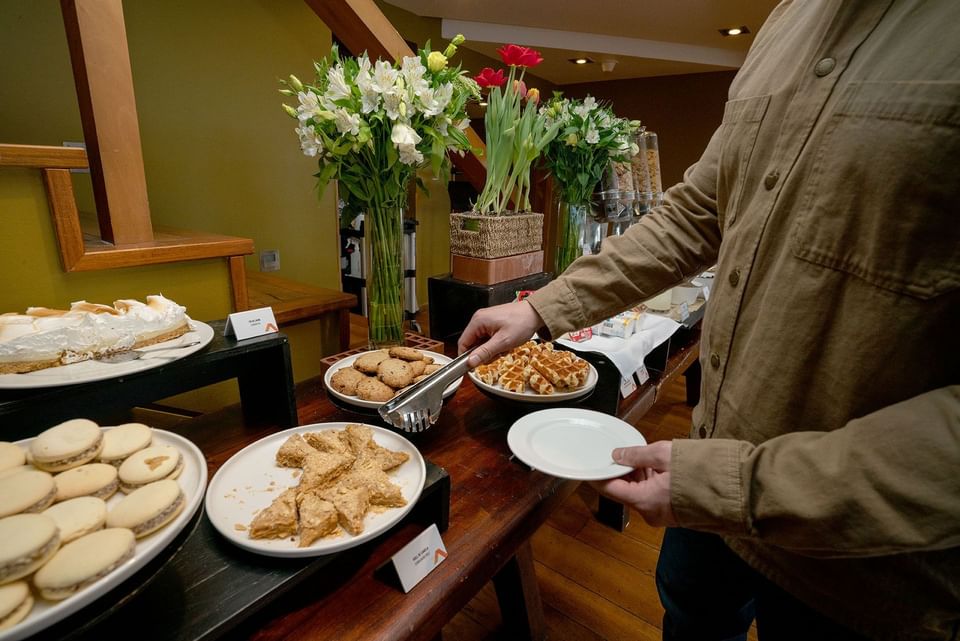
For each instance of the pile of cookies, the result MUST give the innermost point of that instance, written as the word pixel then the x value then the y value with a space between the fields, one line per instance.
pixel 379 375
pixel 54 520
pixel 344 475
pixel 536 367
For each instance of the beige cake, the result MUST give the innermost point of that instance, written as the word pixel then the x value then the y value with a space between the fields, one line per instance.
pixel 42 337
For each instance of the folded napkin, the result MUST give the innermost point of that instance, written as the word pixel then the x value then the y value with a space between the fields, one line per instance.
pixel 628 353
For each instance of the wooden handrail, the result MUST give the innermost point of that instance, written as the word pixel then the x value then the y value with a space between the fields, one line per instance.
pixel 43 157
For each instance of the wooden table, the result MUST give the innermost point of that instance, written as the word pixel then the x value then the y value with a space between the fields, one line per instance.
pixel 496 504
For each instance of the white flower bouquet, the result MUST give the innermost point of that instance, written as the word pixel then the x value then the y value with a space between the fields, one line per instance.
pixel 371 126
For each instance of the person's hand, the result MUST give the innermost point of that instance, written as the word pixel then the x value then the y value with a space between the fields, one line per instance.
pixel 504 327
pixel 647 487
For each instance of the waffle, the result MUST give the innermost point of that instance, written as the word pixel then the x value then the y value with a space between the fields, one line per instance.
pixel 539 384
pixel 490 373
pixel 514 378
pixel 562 369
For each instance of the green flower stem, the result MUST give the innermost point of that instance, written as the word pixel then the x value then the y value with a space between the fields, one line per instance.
pixel 572 221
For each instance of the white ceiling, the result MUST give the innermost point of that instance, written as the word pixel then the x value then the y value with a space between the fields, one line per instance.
pixel 644 37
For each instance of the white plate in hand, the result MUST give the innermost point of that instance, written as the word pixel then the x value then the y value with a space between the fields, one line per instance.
pixel 193 480
pixel 94 370
pixel 572 443
pixel 529 396
pixel 439 359
pixel 251 479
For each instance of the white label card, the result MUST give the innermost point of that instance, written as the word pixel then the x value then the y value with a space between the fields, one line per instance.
pixel 255 322
pixel 683 311
pixel 706 292
pixel 416 559
pixel 627 386
pixel 642 374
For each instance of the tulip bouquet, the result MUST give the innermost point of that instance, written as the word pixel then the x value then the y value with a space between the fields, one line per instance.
pixel 590 137
pixel 371 126
pixel 516 132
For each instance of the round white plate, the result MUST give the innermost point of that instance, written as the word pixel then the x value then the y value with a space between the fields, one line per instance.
pixel 439 359
pixel 193 480
pixel 572 443
pixel 89 371
pixel 529 396
pixel 251 479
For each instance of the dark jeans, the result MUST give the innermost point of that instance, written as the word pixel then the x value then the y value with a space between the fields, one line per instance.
pixel 710 594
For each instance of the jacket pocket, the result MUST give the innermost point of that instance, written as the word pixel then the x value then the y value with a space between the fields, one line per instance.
pixel 882 198
pixel 741 124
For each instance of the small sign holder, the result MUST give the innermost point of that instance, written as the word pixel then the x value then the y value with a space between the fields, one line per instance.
pixel 251 323
pixel 418 558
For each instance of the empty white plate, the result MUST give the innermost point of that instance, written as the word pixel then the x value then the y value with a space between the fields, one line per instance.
pixel 572 443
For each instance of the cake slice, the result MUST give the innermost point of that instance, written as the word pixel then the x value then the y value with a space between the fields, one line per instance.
pixel 277 521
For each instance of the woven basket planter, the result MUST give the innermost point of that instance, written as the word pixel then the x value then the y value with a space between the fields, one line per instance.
pixel 495 236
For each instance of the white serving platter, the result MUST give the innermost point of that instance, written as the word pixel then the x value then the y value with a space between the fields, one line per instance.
pixel 529 396
pixel 439 359
pixel 250 480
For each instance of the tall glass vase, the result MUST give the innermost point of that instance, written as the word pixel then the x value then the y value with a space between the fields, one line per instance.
pixel 383 233
pixel 578 233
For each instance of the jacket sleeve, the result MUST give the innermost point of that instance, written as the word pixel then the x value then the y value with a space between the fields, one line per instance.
pixel 885 483
pixel 670 244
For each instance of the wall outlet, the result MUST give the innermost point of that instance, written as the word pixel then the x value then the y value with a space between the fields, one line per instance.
pixel 81 145
pixel 270 260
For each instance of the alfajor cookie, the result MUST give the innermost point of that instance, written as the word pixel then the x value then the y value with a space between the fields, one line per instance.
pixel 123 440
pixel 11 456
pixel 92 479
pixel 15 603
pixel 84 561
pixel 66 445
pixel 149 508
pixel 26 491
pixel 152 464
pixel 29 541
pixel 77 517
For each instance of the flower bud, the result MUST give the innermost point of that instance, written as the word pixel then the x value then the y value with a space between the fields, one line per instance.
pixel 295 83
pixel 436 61
pixel 402 108
pixel 534 95
pixel 291 111
pixel 452 47
pixel 572 140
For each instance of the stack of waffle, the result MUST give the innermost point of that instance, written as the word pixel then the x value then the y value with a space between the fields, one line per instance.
pixel 537 367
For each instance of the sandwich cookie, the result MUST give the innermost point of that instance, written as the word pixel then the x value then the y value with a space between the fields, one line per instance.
pixel 67 445
pixel 147 466
pixel 29 541
pixel 92 479
pixel 26 491
pixel 123 440
pixel 15 603
pixel 149 508
pixel 77 517
pixel 84 561
pixel 11 456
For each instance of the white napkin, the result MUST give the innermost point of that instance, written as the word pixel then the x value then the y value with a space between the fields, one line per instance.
pixel 628 353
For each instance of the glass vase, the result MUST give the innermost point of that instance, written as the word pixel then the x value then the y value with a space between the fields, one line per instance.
pixel 579 232
pixel 383 271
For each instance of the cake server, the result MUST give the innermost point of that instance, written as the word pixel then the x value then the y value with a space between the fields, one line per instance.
pixel 134 354
pixel 418 407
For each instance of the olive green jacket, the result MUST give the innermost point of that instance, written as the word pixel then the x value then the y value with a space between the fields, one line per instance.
pixel 826 445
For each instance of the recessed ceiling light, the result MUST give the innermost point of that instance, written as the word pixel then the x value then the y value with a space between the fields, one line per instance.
pixel 734 31
pixel 581 61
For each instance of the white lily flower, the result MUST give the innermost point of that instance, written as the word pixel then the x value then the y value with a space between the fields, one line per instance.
pixel 428 100
pixel 391 104
pixel 413 71
pixel 347 122
pixel 384 77
pixel 588 105
pixel 309 106
pixel 337 88
pixel 403 134
pixel 593 136
pixel 409 155
pixel 310 142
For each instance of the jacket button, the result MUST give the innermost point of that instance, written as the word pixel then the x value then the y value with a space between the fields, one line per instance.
pixel 734 277
pixel 824 67
pixel 715 360
pixel 770 180
pixel 702 432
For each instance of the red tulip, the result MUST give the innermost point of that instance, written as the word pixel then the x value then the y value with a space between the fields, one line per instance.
pixel 517 56
pixel 490 78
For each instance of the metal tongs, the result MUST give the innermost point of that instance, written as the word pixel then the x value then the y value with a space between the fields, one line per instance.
pixel 418 407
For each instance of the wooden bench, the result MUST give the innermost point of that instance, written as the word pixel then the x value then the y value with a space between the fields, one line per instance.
pixel 294 302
